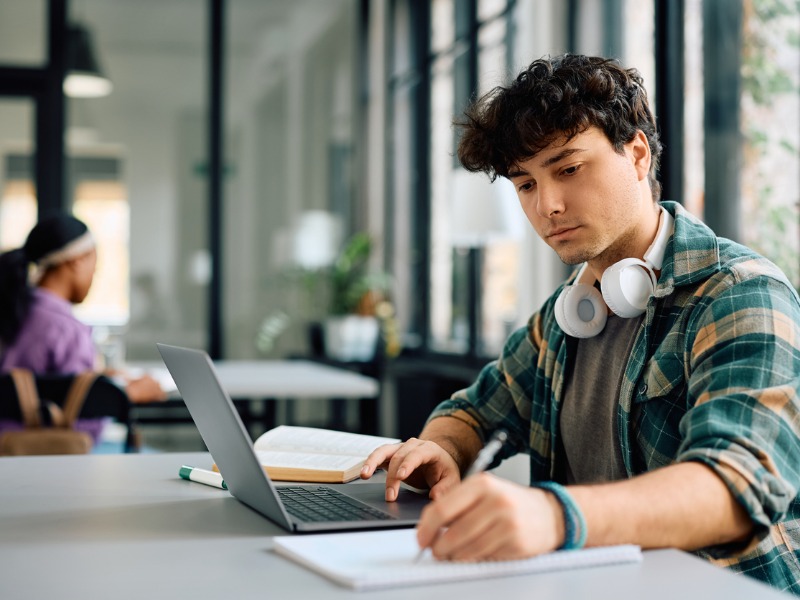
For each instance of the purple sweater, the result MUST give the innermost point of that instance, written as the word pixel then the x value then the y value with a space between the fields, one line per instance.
pixel 52 341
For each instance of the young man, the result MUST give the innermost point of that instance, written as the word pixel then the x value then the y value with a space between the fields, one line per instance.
pixel 664 412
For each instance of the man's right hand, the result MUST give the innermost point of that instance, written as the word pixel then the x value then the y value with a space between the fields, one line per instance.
pixel 420 463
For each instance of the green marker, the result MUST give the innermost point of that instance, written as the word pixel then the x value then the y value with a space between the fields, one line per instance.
pixel 202 476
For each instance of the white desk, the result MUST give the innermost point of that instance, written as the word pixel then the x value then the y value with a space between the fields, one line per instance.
pixel 268 380
pixel 277 379
pixel 125 527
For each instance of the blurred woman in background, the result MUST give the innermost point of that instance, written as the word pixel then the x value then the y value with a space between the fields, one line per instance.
pixel 37 328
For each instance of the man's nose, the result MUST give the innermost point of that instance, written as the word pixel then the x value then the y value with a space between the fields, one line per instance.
pixel 549 202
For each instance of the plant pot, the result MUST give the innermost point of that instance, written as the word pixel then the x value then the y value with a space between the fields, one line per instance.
pixel 351 337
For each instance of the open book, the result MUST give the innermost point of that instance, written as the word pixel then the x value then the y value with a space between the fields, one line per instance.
pixel 314 455
pixel 382 559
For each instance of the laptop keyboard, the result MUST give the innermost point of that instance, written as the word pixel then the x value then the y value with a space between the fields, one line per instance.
pixel 320 504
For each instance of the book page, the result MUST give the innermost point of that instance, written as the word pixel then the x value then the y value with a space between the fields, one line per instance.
pixel 304 460
pixel 322 441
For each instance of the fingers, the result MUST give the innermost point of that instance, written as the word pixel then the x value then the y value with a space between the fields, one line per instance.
pixel 424 463
pixel 487 518
pixel 493 542
pixel 378 458
pixel 425 460
pixel 446 510
pixel 480 535
pixel 403 462
pixel 446 482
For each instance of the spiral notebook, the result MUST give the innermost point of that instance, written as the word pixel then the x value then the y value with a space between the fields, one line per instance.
pixel 380 559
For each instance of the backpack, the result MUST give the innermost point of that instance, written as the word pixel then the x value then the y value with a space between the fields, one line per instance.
pixel 48 427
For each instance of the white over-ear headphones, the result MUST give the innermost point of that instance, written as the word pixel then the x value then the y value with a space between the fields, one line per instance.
pixel 627 285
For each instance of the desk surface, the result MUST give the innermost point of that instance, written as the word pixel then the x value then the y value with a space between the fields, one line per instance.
pixel 277 379
pixel 125 526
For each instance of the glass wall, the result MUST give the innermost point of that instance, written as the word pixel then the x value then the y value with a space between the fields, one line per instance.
pixel 770 105
pixel 17 193
pixel 138 171
pixel 294 126
pixel 137 161
pixel 23 33
pixel 290 152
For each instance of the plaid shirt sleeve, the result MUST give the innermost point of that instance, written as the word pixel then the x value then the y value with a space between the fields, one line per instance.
pixel 501 397
pixel 743 352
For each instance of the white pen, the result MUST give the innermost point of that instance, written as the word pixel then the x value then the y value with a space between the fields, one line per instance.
pixel 202 476
pixel 483 460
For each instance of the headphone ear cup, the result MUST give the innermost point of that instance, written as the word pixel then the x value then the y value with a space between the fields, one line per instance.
pixel 580 311
pixel 627 286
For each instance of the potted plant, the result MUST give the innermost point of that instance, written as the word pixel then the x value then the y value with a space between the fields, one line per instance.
pixel 357 297
pixel 344 304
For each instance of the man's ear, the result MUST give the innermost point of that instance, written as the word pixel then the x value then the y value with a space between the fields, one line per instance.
pixel 639 151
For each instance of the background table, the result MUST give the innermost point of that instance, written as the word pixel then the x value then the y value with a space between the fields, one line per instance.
pixel 125 527
pixel 268 381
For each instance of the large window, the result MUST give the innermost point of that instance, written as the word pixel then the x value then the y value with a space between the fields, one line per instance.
pixel 760 138
pixel 770 104
pixel 17 195
pixel 474 244
pixel 23 32
pixel 470 286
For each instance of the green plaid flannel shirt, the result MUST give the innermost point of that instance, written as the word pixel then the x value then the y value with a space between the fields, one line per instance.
pixel 714 377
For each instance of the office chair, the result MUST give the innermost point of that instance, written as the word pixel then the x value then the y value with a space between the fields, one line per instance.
pixel 104 399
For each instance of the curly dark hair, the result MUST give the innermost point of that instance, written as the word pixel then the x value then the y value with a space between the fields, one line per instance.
pixel 554 98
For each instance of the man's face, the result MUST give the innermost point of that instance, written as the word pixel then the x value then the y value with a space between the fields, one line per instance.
pixel 585 199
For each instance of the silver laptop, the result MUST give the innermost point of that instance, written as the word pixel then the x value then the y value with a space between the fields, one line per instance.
pixel 302 508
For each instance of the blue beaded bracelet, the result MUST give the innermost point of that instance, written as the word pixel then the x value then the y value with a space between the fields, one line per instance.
pixel 574 522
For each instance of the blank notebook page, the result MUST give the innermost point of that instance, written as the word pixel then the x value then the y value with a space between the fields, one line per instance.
pixel 378 559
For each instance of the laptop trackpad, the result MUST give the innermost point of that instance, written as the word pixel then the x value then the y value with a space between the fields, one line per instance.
pixel 407 506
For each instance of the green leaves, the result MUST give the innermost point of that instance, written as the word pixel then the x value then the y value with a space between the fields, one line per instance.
pixel 350 279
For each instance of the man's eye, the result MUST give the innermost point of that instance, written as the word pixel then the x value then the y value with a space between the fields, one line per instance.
pixel 526 186
pixel 571 170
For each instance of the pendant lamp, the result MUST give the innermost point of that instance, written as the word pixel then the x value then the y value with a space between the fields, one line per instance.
pixel 84 78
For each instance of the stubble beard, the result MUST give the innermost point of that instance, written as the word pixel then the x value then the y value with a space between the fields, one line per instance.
pixel 576 256
pixel 606 255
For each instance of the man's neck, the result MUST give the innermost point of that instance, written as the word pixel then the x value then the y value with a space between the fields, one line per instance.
pixel 635 247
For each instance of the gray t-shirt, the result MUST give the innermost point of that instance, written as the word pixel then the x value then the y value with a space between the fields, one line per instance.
pixel 589 444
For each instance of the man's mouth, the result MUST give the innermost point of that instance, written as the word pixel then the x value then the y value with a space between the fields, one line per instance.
pixel 561 233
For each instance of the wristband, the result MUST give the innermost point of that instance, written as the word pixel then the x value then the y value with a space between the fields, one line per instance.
pixel 574 522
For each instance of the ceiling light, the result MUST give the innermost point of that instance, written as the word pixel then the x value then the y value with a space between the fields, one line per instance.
pixel 84 77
